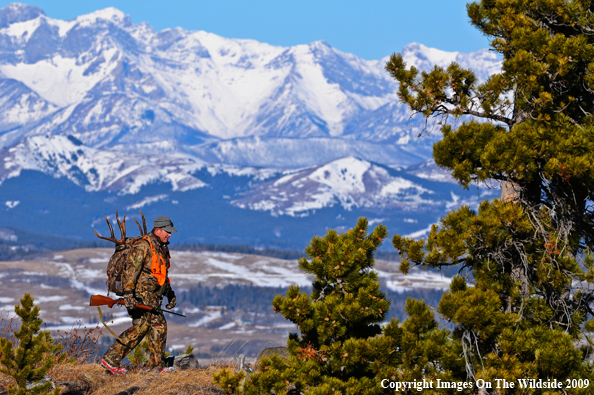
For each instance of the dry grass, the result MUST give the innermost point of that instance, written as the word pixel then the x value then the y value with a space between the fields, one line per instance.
pixel 81 344
pixel 182 382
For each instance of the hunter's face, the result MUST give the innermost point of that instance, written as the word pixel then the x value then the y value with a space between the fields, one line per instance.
pixel 162 235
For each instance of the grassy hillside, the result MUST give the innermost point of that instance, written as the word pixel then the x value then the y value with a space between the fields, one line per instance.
pixel 91 379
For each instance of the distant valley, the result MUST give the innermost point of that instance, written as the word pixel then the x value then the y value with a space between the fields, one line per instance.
pixel 226 296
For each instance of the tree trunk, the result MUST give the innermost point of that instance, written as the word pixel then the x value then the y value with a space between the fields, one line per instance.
pixel 510 192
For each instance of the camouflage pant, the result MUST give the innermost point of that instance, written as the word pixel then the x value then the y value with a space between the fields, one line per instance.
pixel 144 323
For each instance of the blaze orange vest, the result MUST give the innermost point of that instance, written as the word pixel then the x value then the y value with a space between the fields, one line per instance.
pixel 158 266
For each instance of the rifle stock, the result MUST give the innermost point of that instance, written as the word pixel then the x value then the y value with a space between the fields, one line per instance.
pixel 100 300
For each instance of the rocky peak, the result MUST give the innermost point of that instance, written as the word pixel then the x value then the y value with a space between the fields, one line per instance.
pixel 17 12
pixel 107 14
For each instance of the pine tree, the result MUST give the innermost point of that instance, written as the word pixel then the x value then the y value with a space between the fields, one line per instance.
pixel 340 316
pixel 34 355
pixel 527 255
pixel 338 322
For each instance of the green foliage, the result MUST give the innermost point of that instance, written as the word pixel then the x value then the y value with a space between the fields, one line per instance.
pixel 345 301
pixel 228 381
pixel 189 349
pixel 528 254
pixel 35 354
pixel 139 355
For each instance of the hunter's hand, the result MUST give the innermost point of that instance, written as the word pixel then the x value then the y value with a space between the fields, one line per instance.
pixel 129 301
pixel 172 300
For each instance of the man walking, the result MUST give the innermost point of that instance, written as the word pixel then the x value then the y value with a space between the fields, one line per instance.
pixel 145 281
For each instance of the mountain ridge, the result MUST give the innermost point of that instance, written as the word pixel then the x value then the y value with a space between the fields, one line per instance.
pixel 115 84
pixel 99 113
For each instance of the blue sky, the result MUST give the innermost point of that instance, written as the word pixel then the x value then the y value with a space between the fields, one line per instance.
pixel 369 29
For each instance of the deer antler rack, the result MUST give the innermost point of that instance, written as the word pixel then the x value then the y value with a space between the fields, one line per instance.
pixel 121 225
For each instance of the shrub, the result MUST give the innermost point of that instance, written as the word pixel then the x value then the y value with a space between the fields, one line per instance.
pixel 35 354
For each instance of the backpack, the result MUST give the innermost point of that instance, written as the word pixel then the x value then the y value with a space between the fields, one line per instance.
pixel 119 258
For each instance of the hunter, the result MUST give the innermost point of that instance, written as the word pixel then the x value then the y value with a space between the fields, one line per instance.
pixel 145 281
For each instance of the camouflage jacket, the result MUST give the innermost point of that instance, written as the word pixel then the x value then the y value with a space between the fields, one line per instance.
pixel 137 277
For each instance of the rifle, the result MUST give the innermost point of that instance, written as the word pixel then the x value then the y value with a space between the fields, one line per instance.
pixel 100 300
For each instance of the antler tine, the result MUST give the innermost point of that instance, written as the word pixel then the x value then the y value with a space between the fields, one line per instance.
pixel 143 222
pixel 110 227
pixel 139 228
pixel 105 238
pixel 122 226
pixel 112 238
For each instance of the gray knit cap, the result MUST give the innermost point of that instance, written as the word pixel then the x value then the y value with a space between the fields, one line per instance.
pixel 165 224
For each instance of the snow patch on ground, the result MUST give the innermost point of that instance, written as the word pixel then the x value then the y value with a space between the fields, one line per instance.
pixel 419 279
pixel 71 307
pixel 206 319
pixel 47 299
pixel 98 260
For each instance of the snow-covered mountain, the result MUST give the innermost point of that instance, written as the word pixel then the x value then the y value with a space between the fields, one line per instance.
pixel 106 170
pixel 348 182
pixel 114 84
pixel 55 183
pixel 98 114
